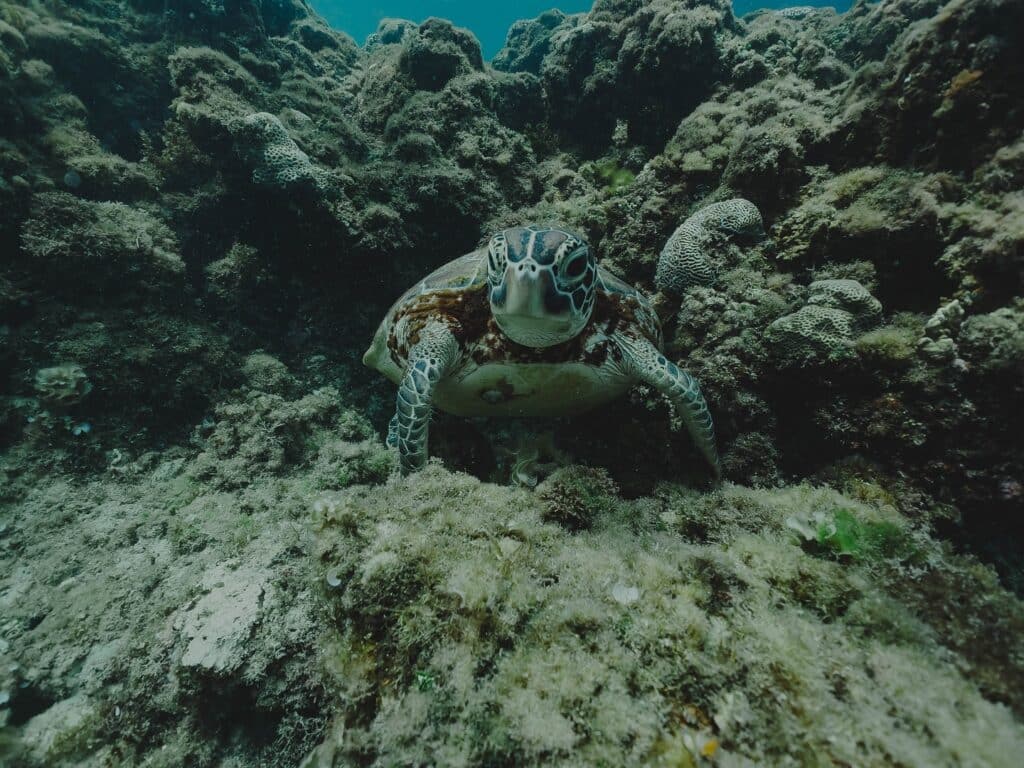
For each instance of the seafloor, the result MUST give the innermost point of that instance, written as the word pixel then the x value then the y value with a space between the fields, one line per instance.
pixel 206 558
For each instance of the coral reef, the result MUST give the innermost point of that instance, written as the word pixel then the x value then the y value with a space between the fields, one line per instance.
pixel 276 159
pixel 205 209
pixel 62 384
pixel 825 328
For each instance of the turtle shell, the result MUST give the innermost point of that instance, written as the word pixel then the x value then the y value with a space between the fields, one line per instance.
pixel 499 377
pixel 464 273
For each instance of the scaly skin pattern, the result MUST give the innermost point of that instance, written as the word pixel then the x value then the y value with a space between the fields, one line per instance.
pixel 648 364
pixel 684 261
pixel 430 358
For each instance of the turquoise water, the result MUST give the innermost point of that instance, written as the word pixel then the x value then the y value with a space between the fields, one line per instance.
pixel 488 21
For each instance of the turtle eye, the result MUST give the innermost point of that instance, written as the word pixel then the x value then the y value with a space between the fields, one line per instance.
pixel 576 267
pixel 492 266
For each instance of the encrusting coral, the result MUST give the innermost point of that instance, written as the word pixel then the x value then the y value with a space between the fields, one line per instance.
pixel 277 159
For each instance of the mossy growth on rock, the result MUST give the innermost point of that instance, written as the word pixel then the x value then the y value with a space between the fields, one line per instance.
pixel 574 496
pixel 739 623
pixel 88 249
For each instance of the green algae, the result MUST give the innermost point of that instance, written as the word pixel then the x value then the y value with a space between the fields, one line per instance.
pixel 846 536
pixel 615 178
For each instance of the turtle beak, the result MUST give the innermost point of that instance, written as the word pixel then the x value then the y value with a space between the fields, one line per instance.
pixel 527 288
pixel 529 309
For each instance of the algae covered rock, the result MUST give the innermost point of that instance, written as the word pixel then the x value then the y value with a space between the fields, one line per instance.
pixel 438 52
pixel 204 207
pixel 62 385
pixel 216 627
pixel 945 93
pixel 266 373
pixel 545 646
pixel 107 249
pixel 994 342
pixel 529 41
pixel 390 32
pixel 575 496
pixel 268 432
pixel 661 58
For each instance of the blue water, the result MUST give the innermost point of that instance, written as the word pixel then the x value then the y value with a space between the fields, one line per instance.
pixel 489 21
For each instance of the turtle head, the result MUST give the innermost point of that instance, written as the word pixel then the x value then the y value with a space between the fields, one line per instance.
pixel 541 284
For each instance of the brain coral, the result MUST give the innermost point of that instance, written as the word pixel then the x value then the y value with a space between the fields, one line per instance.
pixel 814 332
pixel 836 312
pixel 848 295
pixel 684 262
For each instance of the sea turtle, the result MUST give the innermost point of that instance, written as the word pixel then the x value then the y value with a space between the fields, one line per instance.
pixel 531 325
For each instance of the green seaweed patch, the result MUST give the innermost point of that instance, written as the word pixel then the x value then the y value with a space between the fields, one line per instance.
pixel 614 176
pixel 846 536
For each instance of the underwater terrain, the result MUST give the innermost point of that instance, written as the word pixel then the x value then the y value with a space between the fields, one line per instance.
pixel 207 555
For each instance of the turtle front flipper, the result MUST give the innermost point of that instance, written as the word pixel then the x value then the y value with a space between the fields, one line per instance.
pixel 430 358
pixel 392 438
pixel 645 362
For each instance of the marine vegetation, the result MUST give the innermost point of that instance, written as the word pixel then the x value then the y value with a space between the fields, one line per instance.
pixel 209 555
